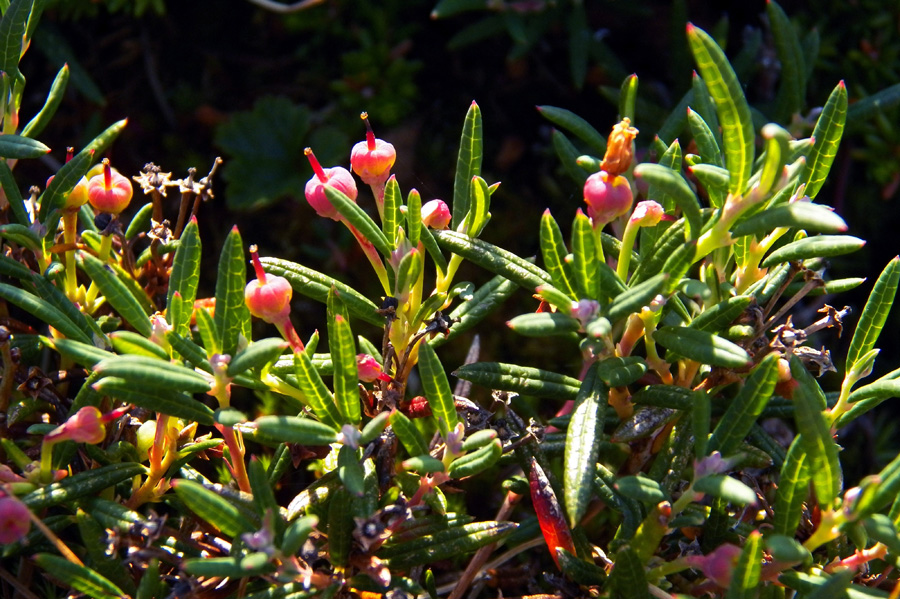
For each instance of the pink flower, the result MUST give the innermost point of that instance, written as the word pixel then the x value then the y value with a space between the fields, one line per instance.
pixel 718 564
pixel 87 425
pixel 109 191
pixel 369 369
pixel 436 214
pixel 372 159
pixel 647 214
pixel 267 296
pixel 337 178
pixel 607 196
pixel 15 520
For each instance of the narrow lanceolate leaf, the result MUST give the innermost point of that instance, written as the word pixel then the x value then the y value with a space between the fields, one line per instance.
pixel 628 579
pixel 83 484
pixel 184 279
pixel 745 576
pixel 54 98
pixel 722 314
pixel 520 379
pixel 162 400
pixel 44 311
pixel 317 285
pixel 817 441
pixel 820 246
pixel 63 182
pixel 576 125
pixel 584 264
pixel 232 317
pixel 451 543
pixel 632 300
pixel 678 265
pixel 874 315
pixel 212 507
pixel 79 577
pixel 117 294
pixel 628 97
pixel 814 218
pixel 12 30
pixel 357 217
pixel 641 488
pixel 152 373
pixel 16 146
pixel 731 106
pixel 295 429
pixel 468 163
pixel 391 219
pixel 706 142
pixel 13 195
pixel 346 376
pixel 702 346
pixel 828 131
pixel 792 85
pixel 554 252
pixel 256 355
pixel 413 216
pixel 730 489
pixel 549 513
pixel 494 259
pixel 437 389
pixel 583 444
pixel 408 434
pixel 477 461
pixel 618 372
pixel 85 354
pixel 544 324
pixel 472 311
pixel 673 184
pixel 479 207
pixel 315 392
pixel 745 408
pixel 776 140
pixel 568 156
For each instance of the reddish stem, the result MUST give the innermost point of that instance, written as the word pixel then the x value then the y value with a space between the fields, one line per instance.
pixel 257 265
pixel 316 167
pixel 370 135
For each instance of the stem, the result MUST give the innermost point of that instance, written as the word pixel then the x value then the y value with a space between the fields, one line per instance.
pixel 444 280
pixel 235 445
pixel 373 256
pixel 9 374
pixel 631 230
pixel 70 223
pixel 286 328
pixel 103 254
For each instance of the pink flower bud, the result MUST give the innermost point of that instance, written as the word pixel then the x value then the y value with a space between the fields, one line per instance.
pixel 109 191
pixel 372 159
pixel 86 426
pixel 608 197
pixel 14 520
pixel 337 178
pixel 267 296
pixel 368 367
pixel 436 214
pixel 647 214
pixel 718 564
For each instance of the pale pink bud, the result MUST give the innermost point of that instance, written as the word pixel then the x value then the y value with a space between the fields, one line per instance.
pixel 14 520
pixel 267 296
pixel 436 214
pixel 368 368
pixel 337 178
pixel 372 159
pixel 86 426
pixel 608 197
pixel 584 311
pixel 8 476
pixel 109 191
pixel 647 213
pixel 718 564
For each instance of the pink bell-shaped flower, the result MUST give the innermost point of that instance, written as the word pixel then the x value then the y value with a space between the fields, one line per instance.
pixel 109 191
pixel 338 178
pixel 373 158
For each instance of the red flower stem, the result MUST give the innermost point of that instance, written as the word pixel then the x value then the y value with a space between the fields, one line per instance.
pixel 316 167
pixel 236 449
pixel 373 256
pixel 286 328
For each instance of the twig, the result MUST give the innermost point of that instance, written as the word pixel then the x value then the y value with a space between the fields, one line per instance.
pixel 286 8
pixel 20 588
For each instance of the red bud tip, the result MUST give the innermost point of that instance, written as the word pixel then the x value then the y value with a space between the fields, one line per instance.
pixel 70 152
pixel 257 265
pixel 370 135
pixel 316 167
pixel 194 218
pixel 690 28
pixel 841 83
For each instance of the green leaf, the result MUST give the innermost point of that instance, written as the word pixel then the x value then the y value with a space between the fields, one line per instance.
pixel 678 264
pixel 212 507
pixel 673 184
pixel 730 489
pixel 468 163
pixel 493 259
pixel 163 400
pixel 315 285
pixel 579 570
pixel 357 217
pixel 315 392
pixel 568 156
pixel 628 97
pixel 350 471
pixel 451 543
pixel 83 484
pixel 874 315
pixel 437 389
pixel 44 311
pixel 628 579
pixel 477 461
pixel 413 216
pixel 706 142
pixel 746 407
pixel 800 215
pixel 583 444
pixel 12 32
pixel 776 153
pixel 408 434
pixel 575 124
pixel 16 146
pixel 792 86
pixel 544 324
pixel 817 441
pixel 117 293
pixel 584 253
pixel 296 429
pixel 882 529
pixel 820 246
pixel 632 300
pixel 346 376
pixel 21 234
pixel 520 379
pixel 719 316
pixel 879 101
pixel 85 354
pixel 151 374
pixel 619 372
pixel 184 279
pixel 828 132
pixel 820 586
pixel 553 249
pixel 714 178
pixel 745 578
pixel 667 242
pixel 80 578
pixel 391 219
pixel 731 106
pixel 257 355
pixel 232 318
pixel 641 488
pixel 479 207
pixel 13 195
pixel 702 103
pixel 63 182
pixel 702 346
pixel 54 98
pixel 472 311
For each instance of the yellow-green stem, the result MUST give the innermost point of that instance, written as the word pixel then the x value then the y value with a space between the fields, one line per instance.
pixel 70 223
pixel 631 230
pixel 105 248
